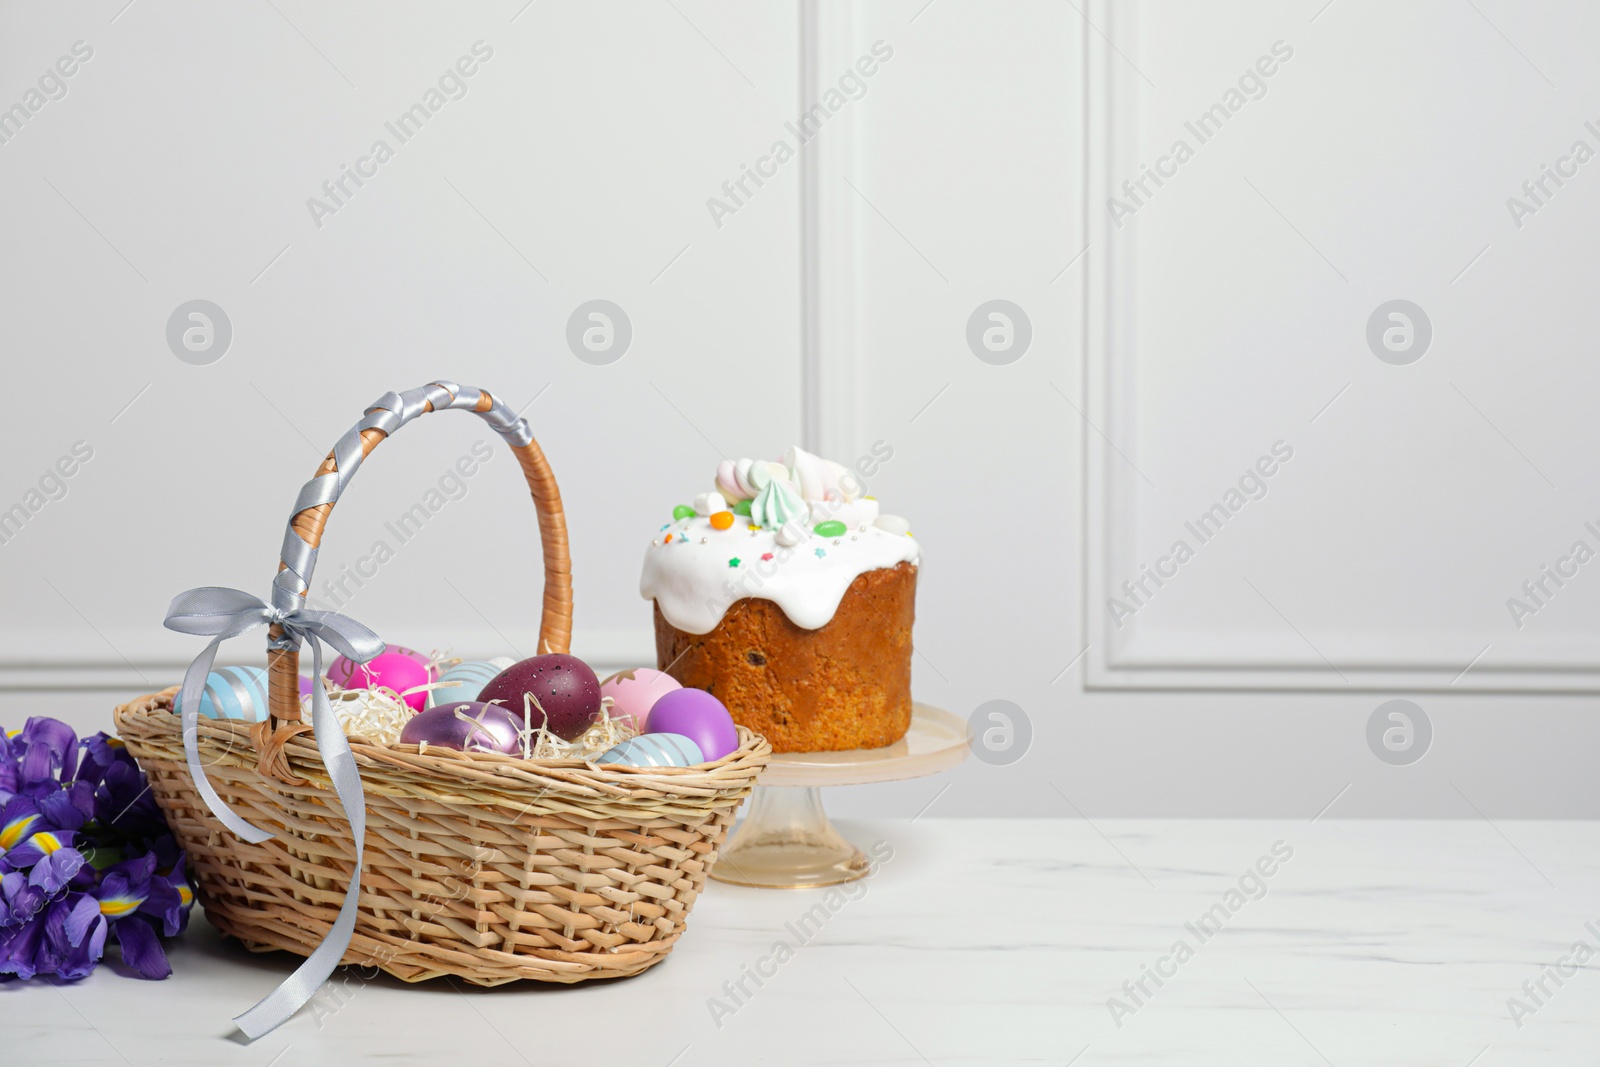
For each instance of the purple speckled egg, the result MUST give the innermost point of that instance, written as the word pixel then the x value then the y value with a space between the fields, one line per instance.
pixel 392 670
pixel 563 685
pixel 633 693
pixel 467 726
pixel 700 717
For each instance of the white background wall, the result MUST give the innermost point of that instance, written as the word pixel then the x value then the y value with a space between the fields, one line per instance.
pixel 1167 354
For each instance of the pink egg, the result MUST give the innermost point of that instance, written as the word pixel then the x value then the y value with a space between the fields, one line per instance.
pixel 700 717
pixel 392 670
pixel 343 672
pixel 634 692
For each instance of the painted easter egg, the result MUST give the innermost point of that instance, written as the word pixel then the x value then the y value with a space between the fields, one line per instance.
pixel 466 726
pixel 654 750
pixel 392 670
pixel 633 693
pixel 564 687
pixel 346 673
pixel 700 717
pixel 472 675
pixel 233 693
pixel 306 685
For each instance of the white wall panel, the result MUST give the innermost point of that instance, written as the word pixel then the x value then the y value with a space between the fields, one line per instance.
pixel 1367 167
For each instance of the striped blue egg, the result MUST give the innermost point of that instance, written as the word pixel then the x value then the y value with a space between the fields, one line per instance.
pixel 473 676
pixel 233 693
pixel 654 750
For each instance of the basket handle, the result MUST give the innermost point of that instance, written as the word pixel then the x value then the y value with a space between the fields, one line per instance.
pixel 317 497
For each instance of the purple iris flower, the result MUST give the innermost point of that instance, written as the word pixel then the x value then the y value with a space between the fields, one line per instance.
pixel 19 948
pixel 49 750
pixel 19 901
pixel 84 853
pixel 132 899
pixel 49 859
pixel 82 937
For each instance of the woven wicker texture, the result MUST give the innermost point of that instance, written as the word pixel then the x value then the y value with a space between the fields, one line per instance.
pixel 481 866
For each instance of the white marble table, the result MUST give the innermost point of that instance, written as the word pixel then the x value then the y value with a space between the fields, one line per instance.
pixel 981 942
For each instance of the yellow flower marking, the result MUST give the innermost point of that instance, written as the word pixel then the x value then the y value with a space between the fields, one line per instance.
pixel 116 907
pixel 47 842
pixel 11 834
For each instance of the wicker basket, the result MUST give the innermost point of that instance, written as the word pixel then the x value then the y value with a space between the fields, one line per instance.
pixel 479 866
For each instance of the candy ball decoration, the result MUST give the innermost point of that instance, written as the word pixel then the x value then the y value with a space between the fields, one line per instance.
pixel 346 673
pixel 393 670
pixel 473 676
pixel 654 750
pixel 466 726
pixel 232 693
pixel 564 686
pixel 634 692
pixel 700 717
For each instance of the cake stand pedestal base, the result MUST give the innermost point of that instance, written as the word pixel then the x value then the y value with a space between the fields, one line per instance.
pixel 786 840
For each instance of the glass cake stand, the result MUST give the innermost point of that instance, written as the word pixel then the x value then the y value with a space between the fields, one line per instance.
pixel 786 840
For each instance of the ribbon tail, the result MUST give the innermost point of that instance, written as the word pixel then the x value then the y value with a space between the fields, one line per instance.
pixel 273 1010
pixel 194 683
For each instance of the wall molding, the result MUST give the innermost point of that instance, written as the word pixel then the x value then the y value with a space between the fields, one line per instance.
pixel 829 239
pixel 141 661
pixel 1234 659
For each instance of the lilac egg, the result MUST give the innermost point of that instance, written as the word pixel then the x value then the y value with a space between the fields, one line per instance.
pixel 700 717
pixel 467 726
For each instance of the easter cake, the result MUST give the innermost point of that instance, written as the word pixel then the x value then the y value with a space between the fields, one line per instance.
pixel 785 593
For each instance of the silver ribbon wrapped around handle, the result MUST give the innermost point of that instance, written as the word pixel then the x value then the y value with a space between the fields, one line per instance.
pixel 220 613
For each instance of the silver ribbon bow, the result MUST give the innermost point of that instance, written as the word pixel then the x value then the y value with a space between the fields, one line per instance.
pixel 220 614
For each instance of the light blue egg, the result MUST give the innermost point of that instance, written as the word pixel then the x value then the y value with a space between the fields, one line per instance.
pixel 654 750
pixel 473 676
pixel 233 693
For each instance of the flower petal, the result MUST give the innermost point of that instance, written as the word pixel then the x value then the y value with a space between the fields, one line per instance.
pixel 54 871
pixel 84 912
pixel 50 749
pixel 17 820
pixel 141 949
pixel 19 949
pixel 60 812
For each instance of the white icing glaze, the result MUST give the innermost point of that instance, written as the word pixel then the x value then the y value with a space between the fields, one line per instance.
pixel 690 577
